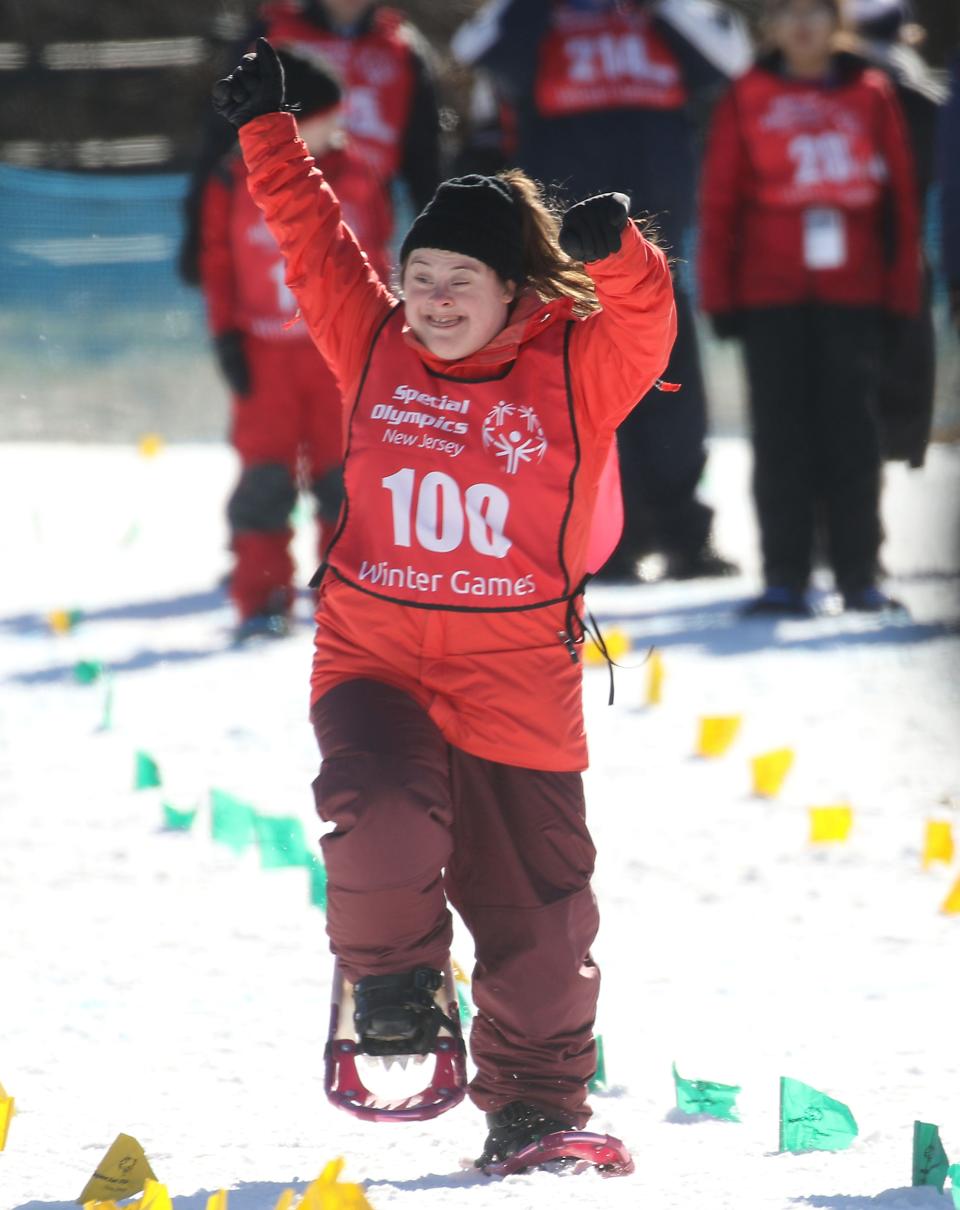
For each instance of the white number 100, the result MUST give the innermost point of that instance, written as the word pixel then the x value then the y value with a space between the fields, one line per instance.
pixel 439 520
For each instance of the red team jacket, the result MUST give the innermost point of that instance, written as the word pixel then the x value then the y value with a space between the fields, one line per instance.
pixel 241 267
pixel 779 149
pixel 498 682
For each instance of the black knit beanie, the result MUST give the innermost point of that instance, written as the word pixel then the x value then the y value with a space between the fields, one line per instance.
pixel 310 83
pixel 477 216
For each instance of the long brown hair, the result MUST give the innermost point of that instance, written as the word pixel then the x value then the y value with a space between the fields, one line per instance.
pixel 548 269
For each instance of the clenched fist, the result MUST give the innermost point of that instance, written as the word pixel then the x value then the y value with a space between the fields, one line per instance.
pixel 255 87
pixel 591 229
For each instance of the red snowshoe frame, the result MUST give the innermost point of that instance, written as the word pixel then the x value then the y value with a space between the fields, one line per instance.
pixel 345 1087
pixel 601 1151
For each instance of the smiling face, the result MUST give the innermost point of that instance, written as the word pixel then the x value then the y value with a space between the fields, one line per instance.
pixel 454 303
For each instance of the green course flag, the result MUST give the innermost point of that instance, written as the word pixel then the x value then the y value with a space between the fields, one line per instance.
pixel 146 773
pixel 178 821
pixel 232 822
pixel 318 883
pixel 85 672
pixel 106 719
pixel 812 1121
pixel 930 1163
pixel 599 1081
pixel 464 1005
pixel 954 1174
pixel 282 842
pixel 703 1096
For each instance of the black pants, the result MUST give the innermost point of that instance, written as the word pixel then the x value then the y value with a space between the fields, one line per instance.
pixel 662 456
pixel 812 372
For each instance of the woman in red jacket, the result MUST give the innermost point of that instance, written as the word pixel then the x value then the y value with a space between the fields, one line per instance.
pixel 480 419
pixel 809 250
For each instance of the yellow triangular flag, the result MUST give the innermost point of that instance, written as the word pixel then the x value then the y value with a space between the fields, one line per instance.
pixel 155 1197
pixel 122 1172
pixel 6 1116
pixel 459 974
pixel 830 823
pixel 937 842
pixel 150 444
pixel 285 1200
pixel 110 1206
pixel 218 1200
pixel 951 905
pixel 717 733
pixel 655 679
pixel 770 771
pixel 326 1192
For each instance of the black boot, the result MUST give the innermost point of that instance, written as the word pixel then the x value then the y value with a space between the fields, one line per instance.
pixel 398 1014
pixel 516 1126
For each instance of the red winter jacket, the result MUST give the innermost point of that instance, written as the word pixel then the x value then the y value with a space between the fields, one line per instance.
pixel 779 148
pixel 498 685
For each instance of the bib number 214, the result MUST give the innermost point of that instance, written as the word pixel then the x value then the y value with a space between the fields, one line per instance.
pixel 442 513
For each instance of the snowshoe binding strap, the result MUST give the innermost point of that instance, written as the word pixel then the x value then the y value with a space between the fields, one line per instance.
pixel 515 1127
pixel 399 1014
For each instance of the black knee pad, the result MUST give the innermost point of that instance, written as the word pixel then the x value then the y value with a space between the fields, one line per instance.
pixel 263 499
pixel 328 492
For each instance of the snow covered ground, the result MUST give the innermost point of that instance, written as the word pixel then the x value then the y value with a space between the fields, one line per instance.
pixel 157 984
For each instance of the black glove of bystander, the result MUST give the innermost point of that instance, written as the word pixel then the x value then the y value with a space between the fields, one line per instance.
pixel 253 88
pixel 726 325
pixel 591 229
pixel 232 356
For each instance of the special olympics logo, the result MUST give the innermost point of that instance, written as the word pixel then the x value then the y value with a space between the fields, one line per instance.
pixel 515 434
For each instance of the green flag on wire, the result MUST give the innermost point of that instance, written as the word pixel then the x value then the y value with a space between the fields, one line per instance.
pixel 599 1081
pixel 146 774
pixel 812 1121
pixel 232 822
pixel 178 821
pixel 930 1163
pixel 318 883
pixel 282 842
pixel 704 1096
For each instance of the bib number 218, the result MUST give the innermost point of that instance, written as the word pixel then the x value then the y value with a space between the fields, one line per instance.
pixel 442 513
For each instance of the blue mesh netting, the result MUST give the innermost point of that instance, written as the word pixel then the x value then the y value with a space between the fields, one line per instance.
pixel 89 262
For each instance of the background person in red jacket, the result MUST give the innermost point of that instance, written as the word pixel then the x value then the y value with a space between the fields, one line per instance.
pixel 286 402
pixel 447 681
pixel 391 115
pixel 809 241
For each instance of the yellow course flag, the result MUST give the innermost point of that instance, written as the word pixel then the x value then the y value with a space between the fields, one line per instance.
pixel 6 1115
pixel 617 641
pixel 218 1200
pixel 155 1197
pixel 122 1172
pixel 770 771
pixel 830 823
pixel 655 679
pixel 937 842
pixel 951 905
pixel 326 1192
pixel 717 733
pixel 150 444
pixel 285 1200
pixel 459 975
pixel 110 1206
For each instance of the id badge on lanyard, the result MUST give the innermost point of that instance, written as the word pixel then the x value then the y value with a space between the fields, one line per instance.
pixel 824 238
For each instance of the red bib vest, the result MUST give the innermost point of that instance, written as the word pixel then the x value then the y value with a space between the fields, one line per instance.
pixel 592 61
pixel 811 146
pixel 264 303
pixel 377 73
pixel 458 492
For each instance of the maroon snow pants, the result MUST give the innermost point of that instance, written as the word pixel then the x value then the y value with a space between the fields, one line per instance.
pixel 418 823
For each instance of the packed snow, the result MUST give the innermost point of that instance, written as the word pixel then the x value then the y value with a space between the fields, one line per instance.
pixel 156 983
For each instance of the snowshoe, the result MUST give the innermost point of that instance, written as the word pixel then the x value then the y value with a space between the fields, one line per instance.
pixel 385 1029
pixel 523 1136
pixel 871 600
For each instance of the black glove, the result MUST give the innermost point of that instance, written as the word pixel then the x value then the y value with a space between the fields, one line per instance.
pixel 232 356
pixel 252 89
pixel 591 230
pixel 726 325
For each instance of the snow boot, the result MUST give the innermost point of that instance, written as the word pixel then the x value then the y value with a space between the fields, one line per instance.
pixel 871 600
pixel 399 1014
pixel 779 601
pixel 514 1127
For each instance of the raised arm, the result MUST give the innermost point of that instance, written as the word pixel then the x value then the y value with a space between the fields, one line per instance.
pixel 340 296
pixel 617 354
